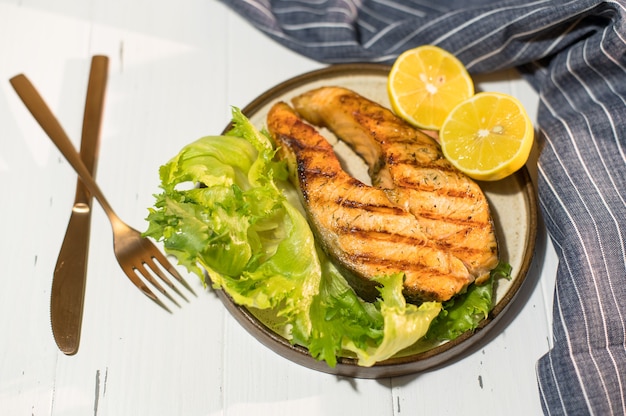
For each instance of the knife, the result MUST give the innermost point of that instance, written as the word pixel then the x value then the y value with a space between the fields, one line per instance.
pixel 69 279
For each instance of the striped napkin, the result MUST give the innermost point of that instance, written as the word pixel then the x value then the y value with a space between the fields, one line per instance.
pixel 574 54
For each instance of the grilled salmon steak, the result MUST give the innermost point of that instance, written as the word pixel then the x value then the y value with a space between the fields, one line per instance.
pixel 364 232
pixel 450 208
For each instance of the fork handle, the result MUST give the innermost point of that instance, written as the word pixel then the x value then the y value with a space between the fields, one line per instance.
pixel 49 123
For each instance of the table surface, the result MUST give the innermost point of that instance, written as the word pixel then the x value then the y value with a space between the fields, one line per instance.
pixel 175 70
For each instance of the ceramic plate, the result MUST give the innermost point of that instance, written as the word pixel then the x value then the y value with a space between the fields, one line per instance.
pixel 513 206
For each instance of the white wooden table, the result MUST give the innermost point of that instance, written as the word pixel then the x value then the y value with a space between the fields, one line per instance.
pixel 175 69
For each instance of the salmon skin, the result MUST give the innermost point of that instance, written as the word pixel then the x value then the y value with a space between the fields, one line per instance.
pixel 451 209
pixel 362 230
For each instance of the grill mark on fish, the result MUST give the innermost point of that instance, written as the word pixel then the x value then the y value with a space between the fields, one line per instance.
pixel 368 207
pixel 361 229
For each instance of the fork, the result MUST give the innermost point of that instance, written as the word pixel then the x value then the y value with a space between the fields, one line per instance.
pixel 136 255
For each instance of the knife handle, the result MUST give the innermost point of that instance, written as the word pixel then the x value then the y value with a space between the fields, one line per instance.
pixel 92 121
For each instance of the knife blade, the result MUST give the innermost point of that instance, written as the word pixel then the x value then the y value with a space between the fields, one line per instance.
pixel 70 273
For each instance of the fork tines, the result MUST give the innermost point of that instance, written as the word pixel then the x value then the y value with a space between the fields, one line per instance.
pixel 157 265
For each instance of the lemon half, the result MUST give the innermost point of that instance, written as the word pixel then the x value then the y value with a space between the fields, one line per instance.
pixel 488 136
pixel 425 84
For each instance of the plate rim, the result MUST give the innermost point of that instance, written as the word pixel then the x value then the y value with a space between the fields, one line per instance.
pixel 395 366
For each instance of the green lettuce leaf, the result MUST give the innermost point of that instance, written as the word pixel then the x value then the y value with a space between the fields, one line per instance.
pixel 465 312
pixel 221 211
pixel 404 324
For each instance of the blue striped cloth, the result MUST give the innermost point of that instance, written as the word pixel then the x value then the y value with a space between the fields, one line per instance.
pixel 574 55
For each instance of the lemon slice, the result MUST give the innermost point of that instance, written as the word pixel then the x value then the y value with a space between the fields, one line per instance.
pixel 425 83
pixel 488 136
